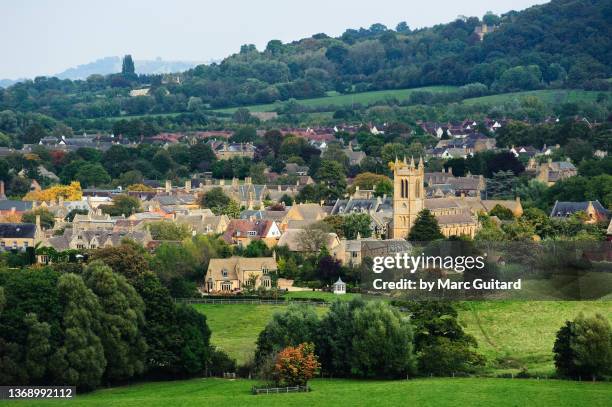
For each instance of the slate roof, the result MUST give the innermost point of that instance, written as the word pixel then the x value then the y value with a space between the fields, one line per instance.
pixel 17 230
pixel 563 209
pixel 20 206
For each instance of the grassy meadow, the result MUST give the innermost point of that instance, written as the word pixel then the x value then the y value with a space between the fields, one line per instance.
pixel 339 100
pixel 548 96
pixel 419 392
pixel 511 334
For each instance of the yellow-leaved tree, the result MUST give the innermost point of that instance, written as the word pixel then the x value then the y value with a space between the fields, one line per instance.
pixel 70 192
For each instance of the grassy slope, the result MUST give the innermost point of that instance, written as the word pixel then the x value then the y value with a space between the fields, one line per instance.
pixel 235 327
pixel 522 333
pixel 421 392
pixel 346 100
pixel 517 333
pixel 547 96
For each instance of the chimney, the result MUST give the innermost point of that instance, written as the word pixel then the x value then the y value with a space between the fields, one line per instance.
pixel 61 200
pixel 37 221
pixel 188 185
pixel 2 195
pixel 168 186
pixel 450 170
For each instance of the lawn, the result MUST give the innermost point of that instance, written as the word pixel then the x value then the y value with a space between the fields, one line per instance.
pixel 420 392
pixel 235 327
pixel 337 100
pixel 516 334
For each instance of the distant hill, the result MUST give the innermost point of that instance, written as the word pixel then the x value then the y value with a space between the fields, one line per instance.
pixel 109 65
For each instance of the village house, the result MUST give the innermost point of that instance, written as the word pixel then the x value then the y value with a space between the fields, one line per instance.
pixel 594 210
pixel 225 151
pixel 303 214
pixel 354 251
pixel 73 239
pixel 237 273
pixel 242 232
pixel 203 221
pixel 294 241
pixel 20 236
pixel 552 171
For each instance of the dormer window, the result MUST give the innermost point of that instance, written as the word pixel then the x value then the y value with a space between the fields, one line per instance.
pixel 224 273
pixel 252 233
pixel 265 271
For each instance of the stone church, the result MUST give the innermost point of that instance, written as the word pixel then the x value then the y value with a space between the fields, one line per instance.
pixel 456 216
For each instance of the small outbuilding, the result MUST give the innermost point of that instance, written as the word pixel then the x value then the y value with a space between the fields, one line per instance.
pixel 339 287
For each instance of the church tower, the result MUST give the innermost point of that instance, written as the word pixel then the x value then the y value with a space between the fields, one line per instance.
pixel 408 195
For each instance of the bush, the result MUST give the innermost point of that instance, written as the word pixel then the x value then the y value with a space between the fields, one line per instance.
pixel 294 366
pixel 583 348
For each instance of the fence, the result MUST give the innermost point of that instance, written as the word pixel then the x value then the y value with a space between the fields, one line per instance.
pixel 260 301
pixel 274 390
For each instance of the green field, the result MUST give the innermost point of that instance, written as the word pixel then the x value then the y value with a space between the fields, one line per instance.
pixel 511 334
pixel 338 100
pixel 516 334
pixel 547 96
pixel 420 392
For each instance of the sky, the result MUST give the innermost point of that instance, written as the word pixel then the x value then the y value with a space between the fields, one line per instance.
pixel 45 37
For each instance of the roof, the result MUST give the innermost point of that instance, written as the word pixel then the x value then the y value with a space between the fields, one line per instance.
pixel 241 228
pixel 293 240
pixel 563 209
pixel 235 265
pixel 20 206
pixel 17 230
pixel 455 219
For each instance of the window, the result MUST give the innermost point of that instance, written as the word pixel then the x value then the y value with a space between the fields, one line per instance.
pixel 252 233
pixel 3 244
pixel 226 286
pixel 14 245
pixel 25 244
pixel 224 273
pixel 265 271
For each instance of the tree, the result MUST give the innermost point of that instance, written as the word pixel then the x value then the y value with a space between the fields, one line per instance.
pixel 201 157
pixel 382 345
pixel 47 219
pixel 123 204
pixel 298 324
pixel 357 224
pixel 425 228
pixel 127 66
pixel 246 134
pixel 313 237
pixel 333 174
pixel 296 365
pixel 121 321
pixel 126 259
pixel 257 248
pixel 169 231
pixel 441 344
pixel 37 348
pixel 80 360
pixel 92 174
pixel 162 161
pixel 501 212
pixel 215 200
pixel 583 348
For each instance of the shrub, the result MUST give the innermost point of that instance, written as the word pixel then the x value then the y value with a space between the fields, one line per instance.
pixel 296 365
pixel 583 348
